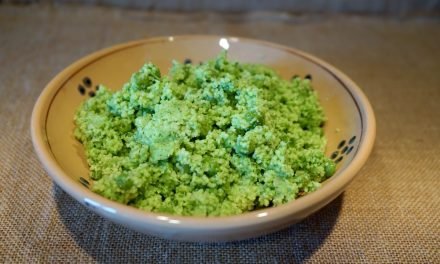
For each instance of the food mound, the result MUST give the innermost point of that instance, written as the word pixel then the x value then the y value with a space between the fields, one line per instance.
pixel 214 139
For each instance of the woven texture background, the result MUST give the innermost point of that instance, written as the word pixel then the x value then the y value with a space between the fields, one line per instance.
pixel 390 213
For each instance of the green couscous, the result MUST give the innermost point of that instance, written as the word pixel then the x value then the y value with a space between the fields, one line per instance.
pixel 214 139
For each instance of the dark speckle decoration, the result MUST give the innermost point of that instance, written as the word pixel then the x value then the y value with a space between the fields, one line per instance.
pixel 308 76
pixel 187 61
pixel 341 144
pixel 351 141
pixel 84 182
pixel 87 82
pixel 86 87
pixel 344 148
pixel 81 89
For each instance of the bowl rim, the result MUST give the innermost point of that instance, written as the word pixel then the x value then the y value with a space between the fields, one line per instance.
pixel 118 211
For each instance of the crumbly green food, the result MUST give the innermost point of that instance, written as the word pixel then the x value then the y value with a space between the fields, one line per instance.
pixel 219 138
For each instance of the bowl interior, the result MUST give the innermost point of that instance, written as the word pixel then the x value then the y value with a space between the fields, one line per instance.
pixel 114 67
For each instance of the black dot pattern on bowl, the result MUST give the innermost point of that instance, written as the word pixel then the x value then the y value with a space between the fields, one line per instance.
pixel 84 182
pixel 86 87
pixel 341 144
pixel 351 141
pixel 187 61
pixel 308 76
pixel 343 149
pixel 87 82
pixel 81 89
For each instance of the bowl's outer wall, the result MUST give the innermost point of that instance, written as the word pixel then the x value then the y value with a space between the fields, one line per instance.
pixel 348 111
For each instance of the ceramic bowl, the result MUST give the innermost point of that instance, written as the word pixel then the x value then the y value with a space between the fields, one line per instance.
pixel 350 130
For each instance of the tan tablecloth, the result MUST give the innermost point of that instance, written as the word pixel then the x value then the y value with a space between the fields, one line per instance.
pixel 390 213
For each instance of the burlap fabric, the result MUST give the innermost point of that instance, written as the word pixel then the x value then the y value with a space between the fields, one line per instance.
pixel 390 213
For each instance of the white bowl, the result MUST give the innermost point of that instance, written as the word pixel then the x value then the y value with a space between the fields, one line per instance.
pixel 350 130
